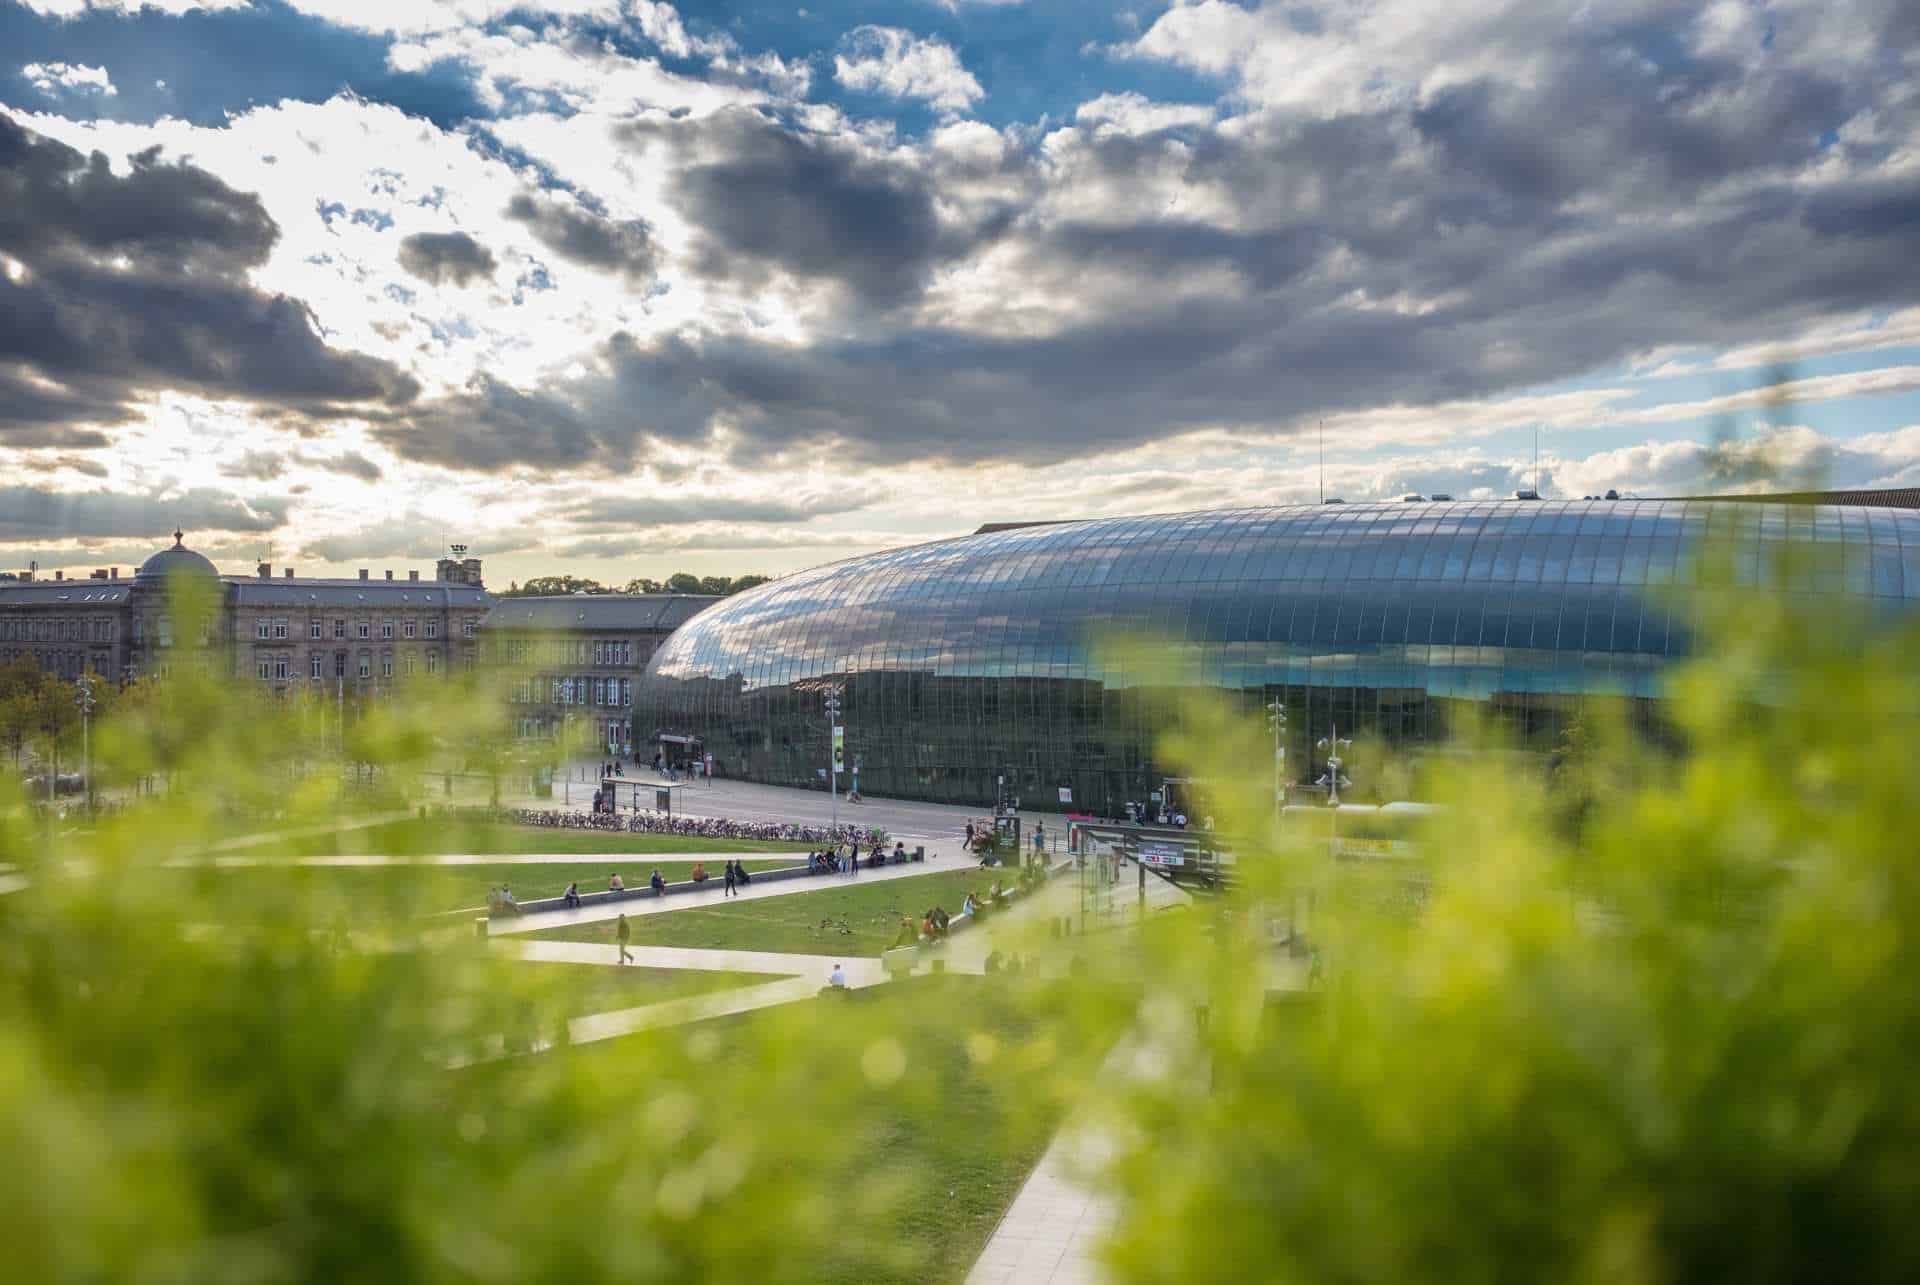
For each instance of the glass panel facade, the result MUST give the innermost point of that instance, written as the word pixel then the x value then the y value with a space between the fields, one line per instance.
pixel 966 659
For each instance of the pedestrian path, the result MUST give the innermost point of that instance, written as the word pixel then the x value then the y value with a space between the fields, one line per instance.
pixel 609 859
pixel 859 971
pixel 713 896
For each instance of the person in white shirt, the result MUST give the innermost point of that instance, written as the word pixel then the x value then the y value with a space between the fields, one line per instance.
pixel 838 978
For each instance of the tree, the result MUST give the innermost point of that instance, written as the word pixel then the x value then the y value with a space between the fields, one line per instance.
pixel 547 586
pixel 642 585
pixel 683 582
pixel 747 582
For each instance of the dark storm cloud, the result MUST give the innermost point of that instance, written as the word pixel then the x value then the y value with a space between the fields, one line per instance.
pixel 446 258
pixel 1630 191
pixel 586 238
pixel 136 282
pixel 767 198
pixel 33 514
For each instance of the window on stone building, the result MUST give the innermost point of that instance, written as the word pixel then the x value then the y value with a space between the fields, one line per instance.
pixel 279 629
pixel 466 628
pixel 166 631
pixel 366 665
pixel 433 662
pixel 406 664
pixel 263 628
pixel 386 665
pixel 407 629
pixel 313 631
pixel 316 667
pixel 386 629
pixel 433 629
pixel 364 628
pixel 266 669
pixel 281 669
pixel 339 628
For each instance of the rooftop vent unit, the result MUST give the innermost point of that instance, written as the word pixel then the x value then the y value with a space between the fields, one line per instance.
pixel 1413 497
pixel 1526 495
pixel 1440 495
pixel 1333 499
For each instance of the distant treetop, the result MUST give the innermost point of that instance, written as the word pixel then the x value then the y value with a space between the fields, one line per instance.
pixel 678 582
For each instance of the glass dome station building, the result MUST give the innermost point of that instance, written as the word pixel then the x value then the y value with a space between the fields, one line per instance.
pixel 967 659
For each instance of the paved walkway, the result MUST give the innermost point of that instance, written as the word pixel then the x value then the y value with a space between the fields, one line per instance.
pixel 916 822
pixel 708 897
pixel 608 859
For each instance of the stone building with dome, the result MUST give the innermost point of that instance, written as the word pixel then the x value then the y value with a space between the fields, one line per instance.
pixel 358 637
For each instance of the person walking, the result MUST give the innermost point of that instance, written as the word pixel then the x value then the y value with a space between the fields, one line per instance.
pixel 729 876
pixel 624 933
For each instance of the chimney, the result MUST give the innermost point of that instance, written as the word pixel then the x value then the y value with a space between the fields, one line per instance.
pixel 113 573
pixel 59 575
pixel 289 573
pixel 389 575
pixel 99 575
pixel 265 570
pixel 363 573
pixel 413 575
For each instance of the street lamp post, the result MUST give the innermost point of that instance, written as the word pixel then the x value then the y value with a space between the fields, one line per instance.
pixel 837 735
pixel 1277 722
pixel 1333 778
pixel 83 697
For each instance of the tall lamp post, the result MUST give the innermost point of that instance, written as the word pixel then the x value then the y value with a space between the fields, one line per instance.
pixel 1333 778
pixel 83 697
pixel 832 706
pixel 1277 722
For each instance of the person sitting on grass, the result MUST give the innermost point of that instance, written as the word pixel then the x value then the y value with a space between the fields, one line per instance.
pixel 614 884
pixel 837 978
pixel 699 874
pixel 970 906
pixel 658 884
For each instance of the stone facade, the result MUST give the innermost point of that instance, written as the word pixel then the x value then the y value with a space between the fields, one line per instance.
pixel 354 638
pixel 579 659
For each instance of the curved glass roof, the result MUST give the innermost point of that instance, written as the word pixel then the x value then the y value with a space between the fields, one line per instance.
pixel 1543 596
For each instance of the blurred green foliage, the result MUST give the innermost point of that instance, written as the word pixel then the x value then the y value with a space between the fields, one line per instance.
pixel 1666 1036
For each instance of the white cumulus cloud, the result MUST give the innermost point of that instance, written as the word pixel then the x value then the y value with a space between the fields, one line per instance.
pixel 899 64
pixel 59 77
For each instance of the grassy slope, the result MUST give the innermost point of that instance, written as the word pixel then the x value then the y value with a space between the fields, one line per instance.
pixel 951 1155
pixel 871 911
pixel 415 837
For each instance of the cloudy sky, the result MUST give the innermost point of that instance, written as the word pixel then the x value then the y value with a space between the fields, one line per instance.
pixel 621 287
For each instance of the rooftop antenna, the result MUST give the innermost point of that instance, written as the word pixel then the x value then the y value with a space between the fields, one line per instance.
pixel 1536 459
pixel 1323 461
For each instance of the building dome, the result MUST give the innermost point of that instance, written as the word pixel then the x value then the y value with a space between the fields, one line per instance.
pixel 178 559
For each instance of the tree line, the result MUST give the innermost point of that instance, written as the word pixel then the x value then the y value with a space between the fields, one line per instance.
pixel 678 582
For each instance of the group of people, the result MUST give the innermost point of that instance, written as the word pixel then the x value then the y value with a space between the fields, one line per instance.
pixel 833 860
pixel 500 902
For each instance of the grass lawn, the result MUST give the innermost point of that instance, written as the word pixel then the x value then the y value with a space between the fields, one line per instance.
pixel 916 1176
pixel 403 890
pixel 578 989
pixel 415 837
pixel 870 910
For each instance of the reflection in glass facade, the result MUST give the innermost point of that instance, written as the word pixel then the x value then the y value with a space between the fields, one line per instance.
pixel 969 658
